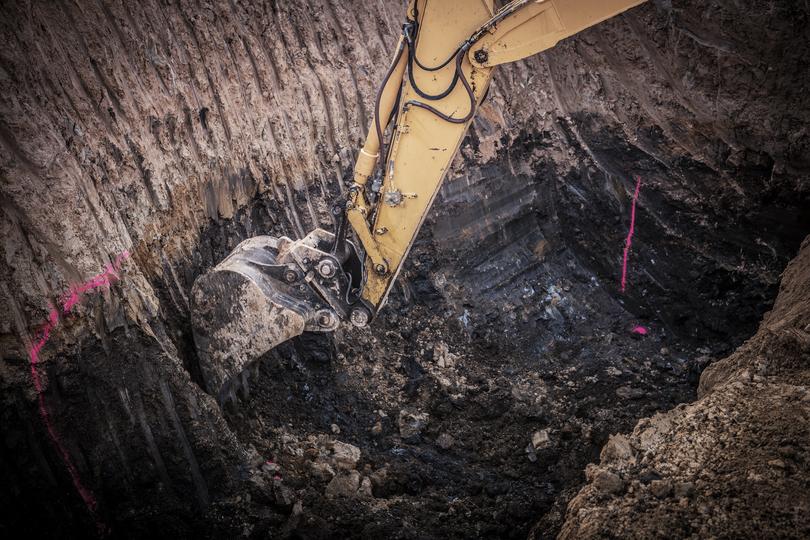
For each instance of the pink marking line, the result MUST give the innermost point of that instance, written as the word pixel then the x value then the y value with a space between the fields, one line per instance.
pixel 640 330
pixel 629 241
pixel 69 301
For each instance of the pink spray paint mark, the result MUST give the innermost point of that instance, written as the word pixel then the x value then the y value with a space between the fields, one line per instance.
pixel 69 301
pixel 640 330
pixel 629 241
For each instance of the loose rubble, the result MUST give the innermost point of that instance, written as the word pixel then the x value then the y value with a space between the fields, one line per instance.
pixel 732 462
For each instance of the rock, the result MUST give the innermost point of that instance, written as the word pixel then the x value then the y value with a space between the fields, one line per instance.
pixel 345 455
pixel 607 482
pixel 379 477
pixel 365 489
pixel 445 441
pixel 282 495
pixel 569 430
pixel 297 509
pixel 344 485
pixel 377 428
pixel 787 452
pixel 322 470
pixel 442 355
pixel 335 429
pixel 648 475
pixel 653 431
pixel 294 519
pixel 684 489
pixel 530 391
pixel 628 392
pixel 661 489
pixel 530 453
pixel 529 396
pixel 613 371
pixel 541 439
pixel 411 423
pixel 617 450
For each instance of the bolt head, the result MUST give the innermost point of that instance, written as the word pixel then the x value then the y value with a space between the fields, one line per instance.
pixel 481 56
pixel 326 319
pixel 380 269
pixel 360 317
pixel 327 268
pixel 290 276
pixel 393 198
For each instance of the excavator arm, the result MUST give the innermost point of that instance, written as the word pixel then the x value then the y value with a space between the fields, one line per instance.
pixel 269 290
pixel 448 51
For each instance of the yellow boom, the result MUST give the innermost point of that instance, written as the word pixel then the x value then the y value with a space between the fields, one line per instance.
pixel 271 289
pixel 428 132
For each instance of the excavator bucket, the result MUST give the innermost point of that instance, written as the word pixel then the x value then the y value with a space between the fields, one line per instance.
pixel 268 290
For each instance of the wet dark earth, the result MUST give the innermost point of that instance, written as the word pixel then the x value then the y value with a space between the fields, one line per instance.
pixel 507 355
pixel 461 428
pixel 505 358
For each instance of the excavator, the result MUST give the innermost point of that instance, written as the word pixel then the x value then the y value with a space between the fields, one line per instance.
pixel 269 290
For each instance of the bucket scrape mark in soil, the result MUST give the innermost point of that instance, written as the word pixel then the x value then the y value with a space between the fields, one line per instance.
pixel 69 301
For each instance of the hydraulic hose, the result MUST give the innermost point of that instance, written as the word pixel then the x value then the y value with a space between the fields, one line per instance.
pixel 413 60
pixel 459 58
pixel 380 90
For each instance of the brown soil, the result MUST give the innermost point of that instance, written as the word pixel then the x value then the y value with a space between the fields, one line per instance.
pixel 504 361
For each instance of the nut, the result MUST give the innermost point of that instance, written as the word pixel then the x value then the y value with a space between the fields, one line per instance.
pixel 359 317
pixel 327 268
pixel 481 56
pixel 326 319
pixel 290 276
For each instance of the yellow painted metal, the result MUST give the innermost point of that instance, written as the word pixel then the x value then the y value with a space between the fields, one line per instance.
pixel 423 144
pixel 357 209
pixel 357 219
pixel 368 155
pixel 539 25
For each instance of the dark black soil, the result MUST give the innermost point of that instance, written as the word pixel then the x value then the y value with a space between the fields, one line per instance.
pixel 575 370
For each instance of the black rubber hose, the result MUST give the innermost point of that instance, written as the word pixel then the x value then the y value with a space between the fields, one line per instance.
pixel 419 91
pixel 393 66
pixel 383 151
pixel 459 58
pixel 436 68
pixel 415 26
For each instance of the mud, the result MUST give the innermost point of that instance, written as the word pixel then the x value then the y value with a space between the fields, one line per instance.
pixel 732 464
pixel 467 464
pixel 506 356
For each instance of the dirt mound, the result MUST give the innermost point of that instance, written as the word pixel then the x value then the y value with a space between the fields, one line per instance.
pixel 733 464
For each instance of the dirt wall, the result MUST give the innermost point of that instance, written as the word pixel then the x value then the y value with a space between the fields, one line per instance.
pixel 172 130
